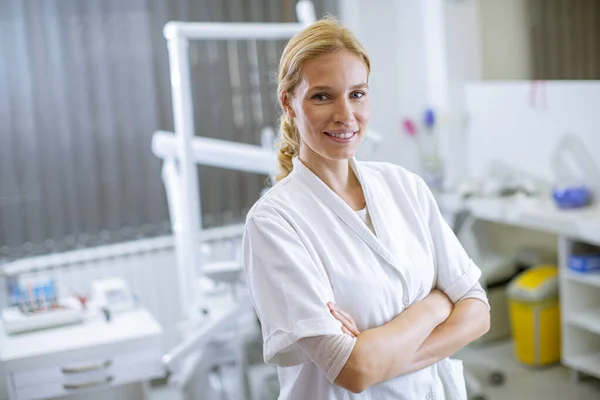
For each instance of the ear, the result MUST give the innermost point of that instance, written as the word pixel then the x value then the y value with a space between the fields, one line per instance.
pixel 286 104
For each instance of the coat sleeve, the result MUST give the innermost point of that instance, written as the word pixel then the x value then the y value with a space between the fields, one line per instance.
pixel 456 272
pixel 289 291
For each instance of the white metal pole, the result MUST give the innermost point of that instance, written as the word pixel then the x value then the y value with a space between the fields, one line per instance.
pixel 187 237
pixel 173 187
pixel 230 31
pixel 187 229
pixel 305 12
pixel 219 153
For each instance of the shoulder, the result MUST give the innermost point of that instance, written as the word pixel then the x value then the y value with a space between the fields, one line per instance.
pixel 393 175
pixel 277 201
pixel 272 223
pixel 401 186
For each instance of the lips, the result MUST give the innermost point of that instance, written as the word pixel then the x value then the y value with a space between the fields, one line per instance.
pixel 341 135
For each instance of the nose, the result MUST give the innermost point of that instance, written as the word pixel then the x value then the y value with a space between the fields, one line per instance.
pixel 343 112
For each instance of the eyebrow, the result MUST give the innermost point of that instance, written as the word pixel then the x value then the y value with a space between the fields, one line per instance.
pixel 357 86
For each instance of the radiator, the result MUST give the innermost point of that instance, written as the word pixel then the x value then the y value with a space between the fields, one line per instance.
pixel 148 266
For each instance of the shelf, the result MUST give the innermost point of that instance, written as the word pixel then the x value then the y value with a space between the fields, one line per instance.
pixel 589 278
pixel 577 225
pixel 588 363
pixel 588 320
pixel 493 210
pixel 530 213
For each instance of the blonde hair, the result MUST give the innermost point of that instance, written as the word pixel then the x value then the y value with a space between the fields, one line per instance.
pixel 324 37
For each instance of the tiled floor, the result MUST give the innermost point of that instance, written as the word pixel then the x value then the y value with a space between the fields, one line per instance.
pixel 552 383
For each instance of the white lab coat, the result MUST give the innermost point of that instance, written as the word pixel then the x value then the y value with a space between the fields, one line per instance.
pixel 304 246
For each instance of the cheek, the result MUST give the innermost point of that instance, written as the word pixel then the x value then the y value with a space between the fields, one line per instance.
pixel 315 117
pixel 363 113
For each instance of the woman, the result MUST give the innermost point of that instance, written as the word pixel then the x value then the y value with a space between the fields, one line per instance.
pixel 361 288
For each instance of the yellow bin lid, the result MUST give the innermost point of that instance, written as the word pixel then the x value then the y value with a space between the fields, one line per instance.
pixel 536 284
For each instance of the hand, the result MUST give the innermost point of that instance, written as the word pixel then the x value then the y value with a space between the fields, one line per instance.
pixel 348 324
pixel 440 303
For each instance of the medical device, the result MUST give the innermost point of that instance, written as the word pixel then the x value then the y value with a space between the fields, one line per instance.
pixel 35 306
pixel 111 294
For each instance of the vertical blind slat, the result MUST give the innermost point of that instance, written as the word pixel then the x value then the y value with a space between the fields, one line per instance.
pixel 564 38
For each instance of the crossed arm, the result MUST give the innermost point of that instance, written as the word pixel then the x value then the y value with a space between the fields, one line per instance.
pixel 425 333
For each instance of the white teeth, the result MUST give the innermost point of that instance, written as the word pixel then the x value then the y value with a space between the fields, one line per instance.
pixel 342 135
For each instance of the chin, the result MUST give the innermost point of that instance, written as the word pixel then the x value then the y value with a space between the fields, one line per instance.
pixel 340 155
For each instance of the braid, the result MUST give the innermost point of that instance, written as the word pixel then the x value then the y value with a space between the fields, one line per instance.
pixel 289 146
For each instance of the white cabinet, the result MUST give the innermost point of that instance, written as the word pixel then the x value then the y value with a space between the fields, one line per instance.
pixel 580 309
pixel 579 292
pixel 79 359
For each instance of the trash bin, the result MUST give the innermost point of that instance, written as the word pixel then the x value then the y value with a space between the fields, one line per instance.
pixel 535 315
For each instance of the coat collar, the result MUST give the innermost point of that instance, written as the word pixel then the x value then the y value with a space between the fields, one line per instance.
pixel 343 211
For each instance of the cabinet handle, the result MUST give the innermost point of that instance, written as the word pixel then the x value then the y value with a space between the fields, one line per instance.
pixel 86 368
pixel 86 385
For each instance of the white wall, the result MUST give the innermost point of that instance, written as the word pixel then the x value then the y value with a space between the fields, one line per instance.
pixel 463 51
pixel 392 32
pixel 376 25
pixel 423 52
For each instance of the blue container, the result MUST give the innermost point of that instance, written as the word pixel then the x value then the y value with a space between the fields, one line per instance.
pixel 571 197
pixel 585 262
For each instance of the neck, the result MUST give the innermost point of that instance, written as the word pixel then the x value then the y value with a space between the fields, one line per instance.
pixel 338 175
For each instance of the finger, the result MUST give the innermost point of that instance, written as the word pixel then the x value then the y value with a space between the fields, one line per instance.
pixel 349 324
pixel 335 307
pixel 340 317
pixel 354 329
pixel 343 317
pixel 347 317
pixel 347 332
pixel 345 314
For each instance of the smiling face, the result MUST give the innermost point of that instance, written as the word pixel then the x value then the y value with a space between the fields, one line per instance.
pixel 331 107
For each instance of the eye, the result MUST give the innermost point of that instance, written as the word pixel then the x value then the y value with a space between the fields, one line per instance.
pixel 357 94
pixel 319 96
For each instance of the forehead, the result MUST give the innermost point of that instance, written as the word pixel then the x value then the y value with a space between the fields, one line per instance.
pixel 341 68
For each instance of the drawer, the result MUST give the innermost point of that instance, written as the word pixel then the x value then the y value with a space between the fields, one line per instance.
pixel 109 379
pixel 86 370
